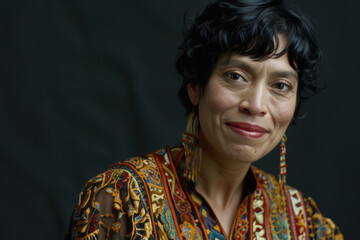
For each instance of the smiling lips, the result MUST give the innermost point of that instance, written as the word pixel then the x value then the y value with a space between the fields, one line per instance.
pixel 247 129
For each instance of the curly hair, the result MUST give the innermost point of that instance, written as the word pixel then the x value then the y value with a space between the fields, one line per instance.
pixel 249 28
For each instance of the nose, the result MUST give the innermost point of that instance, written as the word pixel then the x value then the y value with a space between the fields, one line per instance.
pixel 253 100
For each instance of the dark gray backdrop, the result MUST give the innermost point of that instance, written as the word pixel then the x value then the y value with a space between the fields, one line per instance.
pixel 88 83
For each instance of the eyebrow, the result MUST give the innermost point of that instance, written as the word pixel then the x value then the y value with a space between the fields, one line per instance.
pixel 247 67
pixel 237 63
pixel 285 74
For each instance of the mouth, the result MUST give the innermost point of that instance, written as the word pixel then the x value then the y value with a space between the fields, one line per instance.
pixel 246 129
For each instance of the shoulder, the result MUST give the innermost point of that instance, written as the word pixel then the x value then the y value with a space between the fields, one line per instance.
pixel 300 207
pixel 116 198
pixel 115 175
pixel 272 186
pixel 323 227
pixel 145 168
pixel 98 206
pixel 139 169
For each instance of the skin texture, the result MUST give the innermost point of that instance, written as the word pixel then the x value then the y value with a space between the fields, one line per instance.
pixel 240 89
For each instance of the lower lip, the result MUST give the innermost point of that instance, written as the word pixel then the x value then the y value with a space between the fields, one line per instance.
pixel 245 133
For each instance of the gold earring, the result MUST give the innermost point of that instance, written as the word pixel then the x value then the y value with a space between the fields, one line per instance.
pixel 282 174
pixel 282 167
pixel 190 141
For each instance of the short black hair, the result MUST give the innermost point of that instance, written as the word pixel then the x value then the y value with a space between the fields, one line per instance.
pixel 248 27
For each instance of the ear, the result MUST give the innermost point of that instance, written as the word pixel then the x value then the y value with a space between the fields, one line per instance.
pixel 194 93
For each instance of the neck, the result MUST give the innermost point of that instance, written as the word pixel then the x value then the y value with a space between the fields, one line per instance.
pixel 221 181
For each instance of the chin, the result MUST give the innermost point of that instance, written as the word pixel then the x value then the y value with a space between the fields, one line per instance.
pixel 246 154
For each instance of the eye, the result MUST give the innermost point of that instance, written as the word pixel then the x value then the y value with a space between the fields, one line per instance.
pixel 282 86
pixel 234 76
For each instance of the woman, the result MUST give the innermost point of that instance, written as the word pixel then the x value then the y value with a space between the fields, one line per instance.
pixel 247 65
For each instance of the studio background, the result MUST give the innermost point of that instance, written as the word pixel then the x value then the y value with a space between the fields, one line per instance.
pixel 88 83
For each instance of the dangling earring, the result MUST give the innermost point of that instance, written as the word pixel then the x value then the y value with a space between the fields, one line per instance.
pixel 282 176
pixel 190 141
pixel 282 168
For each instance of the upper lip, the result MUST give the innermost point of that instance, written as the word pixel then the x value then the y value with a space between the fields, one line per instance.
pixel 247 126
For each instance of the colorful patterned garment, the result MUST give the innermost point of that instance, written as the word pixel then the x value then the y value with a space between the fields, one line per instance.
pixel 144 198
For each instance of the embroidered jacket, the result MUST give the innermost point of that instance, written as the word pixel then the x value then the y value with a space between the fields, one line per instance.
pixel 144 198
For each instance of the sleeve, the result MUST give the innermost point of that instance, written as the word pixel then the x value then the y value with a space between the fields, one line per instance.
pixel 106 208
pixel 320 227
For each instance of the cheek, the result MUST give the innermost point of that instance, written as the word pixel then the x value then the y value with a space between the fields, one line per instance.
pixel 213 103
pixel 285 112
pixel 217 100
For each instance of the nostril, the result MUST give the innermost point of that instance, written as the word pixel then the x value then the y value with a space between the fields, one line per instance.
pixel 245 110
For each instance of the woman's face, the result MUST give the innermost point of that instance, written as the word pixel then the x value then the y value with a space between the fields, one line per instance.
pixel 246 106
